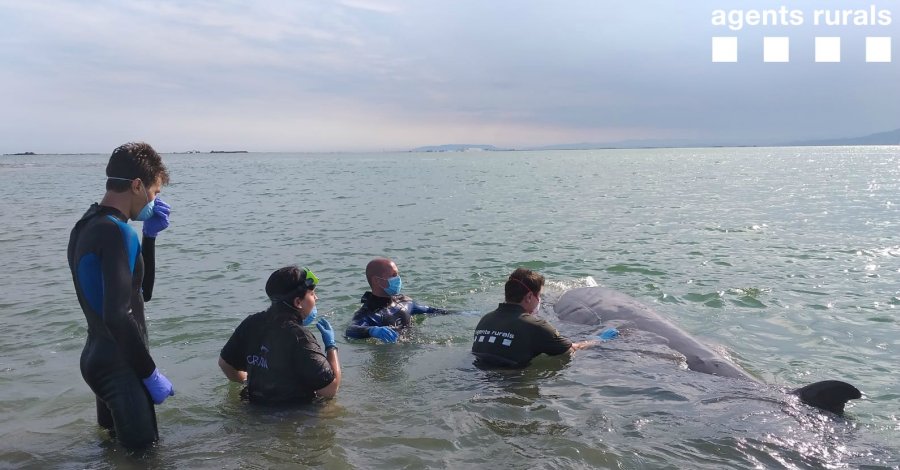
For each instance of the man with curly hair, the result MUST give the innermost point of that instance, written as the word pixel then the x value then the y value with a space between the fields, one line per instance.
pixel 113 274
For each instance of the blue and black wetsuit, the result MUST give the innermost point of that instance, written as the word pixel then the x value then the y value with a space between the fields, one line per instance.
pixel 395 312
pixel 113 276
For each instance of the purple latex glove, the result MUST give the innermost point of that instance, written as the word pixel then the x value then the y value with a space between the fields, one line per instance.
pixel 159 221
pixel 159 387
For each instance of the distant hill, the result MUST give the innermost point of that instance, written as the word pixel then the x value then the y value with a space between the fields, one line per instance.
pixel 458 148
pixel 881 138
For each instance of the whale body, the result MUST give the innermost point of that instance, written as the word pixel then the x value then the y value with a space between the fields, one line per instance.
pixel 601 306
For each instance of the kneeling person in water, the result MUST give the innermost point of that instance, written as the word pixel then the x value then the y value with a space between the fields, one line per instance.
pixel 384 311
pixel 275 354
pixel 513 335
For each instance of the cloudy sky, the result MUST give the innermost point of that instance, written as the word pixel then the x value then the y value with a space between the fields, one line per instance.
pixel 372 75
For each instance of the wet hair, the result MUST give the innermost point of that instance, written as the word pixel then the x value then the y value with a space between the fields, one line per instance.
pixel 135 160
pixel 286 284
pixel 522 281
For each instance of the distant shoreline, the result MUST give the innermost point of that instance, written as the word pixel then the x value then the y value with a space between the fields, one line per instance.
pixel 482 150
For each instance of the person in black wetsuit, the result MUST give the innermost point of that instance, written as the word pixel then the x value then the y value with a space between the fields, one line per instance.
pixel 385 312
pixel 275 354
pixel 113 274
pixel 513 335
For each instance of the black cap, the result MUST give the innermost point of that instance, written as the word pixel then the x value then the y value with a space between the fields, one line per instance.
pixel 285 284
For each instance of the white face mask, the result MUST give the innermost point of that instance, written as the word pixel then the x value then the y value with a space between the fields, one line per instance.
pixel 537 308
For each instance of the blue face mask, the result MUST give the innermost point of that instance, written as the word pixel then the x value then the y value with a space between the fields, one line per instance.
pixel 146 212
pixel 394 285
pixel 312 317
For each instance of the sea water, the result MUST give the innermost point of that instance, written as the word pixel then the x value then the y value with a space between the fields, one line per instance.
pixel 787 260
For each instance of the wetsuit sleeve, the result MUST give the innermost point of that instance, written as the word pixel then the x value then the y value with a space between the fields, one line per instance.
pixel 148 251
pixel 117 271
pixel 311 364
pixel 419 309
pixel 359 329
pixel 233 351
pixel 548 340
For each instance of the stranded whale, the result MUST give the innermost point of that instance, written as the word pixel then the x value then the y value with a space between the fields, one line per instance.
pixel 600 306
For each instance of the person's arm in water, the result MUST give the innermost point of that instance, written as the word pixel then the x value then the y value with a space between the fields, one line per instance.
pixel 330 390
pixel 358 330
pixel 605 335
pixel 421 309
pixel 583 345
pixel 233 374
pixel 152 226
pixel 384 333
pixel 231 358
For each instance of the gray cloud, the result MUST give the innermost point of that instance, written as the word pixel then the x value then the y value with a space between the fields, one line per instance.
pixel 368 74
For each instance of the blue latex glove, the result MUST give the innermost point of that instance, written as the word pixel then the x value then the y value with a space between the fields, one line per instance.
pixel 388 335
pixel 159 387
pixel 327 332
pixel 159 221
pixel 608 334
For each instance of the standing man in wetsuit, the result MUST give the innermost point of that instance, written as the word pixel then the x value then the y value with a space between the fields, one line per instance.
pixel 113 274
pixel 275 354
pixel 385 312
pixel 513 335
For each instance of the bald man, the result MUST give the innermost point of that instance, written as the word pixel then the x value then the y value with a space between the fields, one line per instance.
pixel 384 311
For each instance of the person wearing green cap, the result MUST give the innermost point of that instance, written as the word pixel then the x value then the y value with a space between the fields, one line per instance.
pixel 275 354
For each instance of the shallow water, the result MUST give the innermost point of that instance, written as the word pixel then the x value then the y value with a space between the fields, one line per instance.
pixel 787 259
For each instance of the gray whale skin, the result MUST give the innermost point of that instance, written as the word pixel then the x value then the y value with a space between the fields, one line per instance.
pixel 600 305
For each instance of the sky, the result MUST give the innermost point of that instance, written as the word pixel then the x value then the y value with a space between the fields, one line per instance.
pixel 386 75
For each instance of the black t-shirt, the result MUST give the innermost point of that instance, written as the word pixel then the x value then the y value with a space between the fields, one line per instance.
pixel 510 337
pixel 283 360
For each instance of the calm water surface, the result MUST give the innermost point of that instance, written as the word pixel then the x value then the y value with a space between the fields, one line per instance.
pixel 787 259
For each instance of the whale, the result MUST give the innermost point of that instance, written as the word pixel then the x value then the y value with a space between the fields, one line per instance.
pixel 601 306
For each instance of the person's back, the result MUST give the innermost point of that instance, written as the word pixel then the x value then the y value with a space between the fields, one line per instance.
pixel 284 363
pixel 511 335
pixel 103 235
pixel 275 354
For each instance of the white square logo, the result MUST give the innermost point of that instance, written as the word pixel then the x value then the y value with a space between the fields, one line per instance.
pixel 828 49
pixel 776 49
pixel 878 49
pixel 724 49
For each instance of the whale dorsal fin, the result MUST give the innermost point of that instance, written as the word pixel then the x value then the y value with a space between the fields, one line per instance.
pixel 828 395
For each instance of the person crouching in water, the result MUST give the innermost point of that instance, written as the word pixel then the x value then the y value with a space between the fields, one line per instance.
pixel 385 312
pixel 513 334
pixel 275 354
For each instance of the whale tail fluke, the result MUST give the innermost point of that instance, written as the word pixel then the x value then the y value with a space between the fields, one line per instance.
pixel 828 395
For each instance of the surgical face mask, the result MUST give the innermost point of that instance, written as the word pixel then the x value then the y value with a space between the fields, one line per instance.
pixel 311 317
pixel 537 308
pixel 146 212
pixel 394 286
